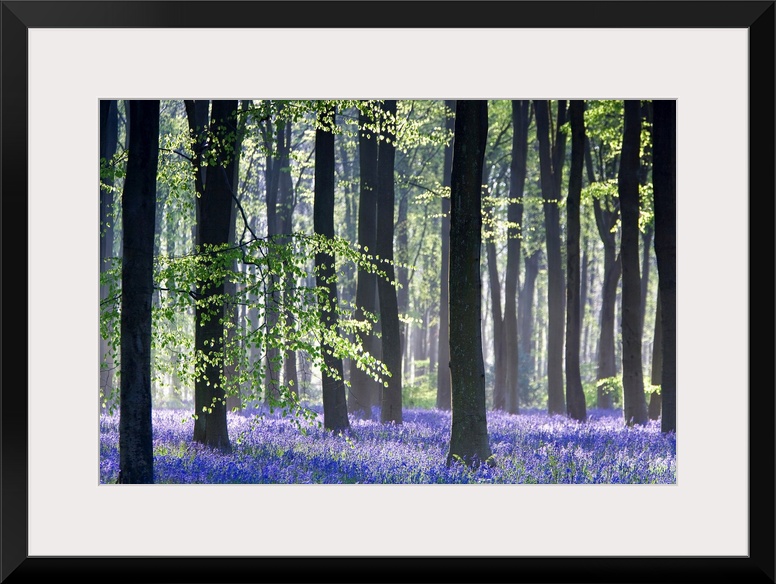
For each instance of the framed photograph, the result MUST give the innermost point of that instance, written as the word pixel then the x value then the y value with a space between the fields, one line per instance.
pixel 715 58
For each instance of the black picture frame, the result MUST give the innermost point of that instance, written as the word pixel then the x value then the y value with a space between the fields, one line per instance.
pixel 18 16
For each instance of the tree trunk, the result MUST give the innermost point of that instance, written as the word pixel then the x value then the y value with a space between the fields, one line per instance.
pixel 215 217
pixel 274 144
pixel 520 121
pixel 402 273
pixel 525 324
pixel 664 178
pixel 494 285
pixel 655 399
pixel 365 391
pixel 634 401
pixel 391 403
pixel 551 163
pixel 575 395
pixel 469 432
pixel 443 400
pixel 285 217
pixel 108 142
pixel 606 214
pixel 335 409
pixel 138 218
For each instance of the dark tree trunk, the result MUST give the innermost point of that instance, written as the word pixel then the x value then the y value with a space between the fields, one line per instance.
pixel 109 123
pixel 138 218
pixel 443 401
pixel 335 408
pixel 575 395
pixel 215 218
pixel 634 401
pixel 365 391
pixel 197 113
pixel 520 122
pixel 525 324
pixel 551 163
pixel 469 432
pixel 391 402
pixel 664 178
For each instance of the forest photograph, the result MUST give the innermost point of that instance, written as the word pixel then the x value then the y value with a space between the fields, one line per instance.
pixel 387 291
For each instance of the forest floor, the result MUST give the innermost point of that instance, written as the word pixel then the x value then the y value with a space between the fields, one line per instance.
pixel 532 447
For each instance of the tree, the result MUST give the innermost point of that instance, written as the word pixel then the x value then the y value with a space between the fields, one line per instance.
pixel 108 142
pixel 469 432
pixel 391 402
pixel 335 409
pixel 521 119
pixel 664 178
pixel 285 214
pixel 575 395
pixel 634 400
pixel 215 216
pixel 364 390
pixel 138 226
pixel 443 399
pixel 551 162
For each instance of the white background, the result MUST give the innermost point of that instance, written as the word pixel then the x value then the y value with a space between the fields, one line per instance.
pixel 704 514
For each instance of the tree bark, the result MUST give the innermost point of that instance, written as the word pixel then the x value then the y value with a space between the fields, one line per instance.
pixel 469 432
pixel 655 399
pixel 335 409
pixel 138 219
pixel 634 400
pixel 575 395
pixel 443 400
pixel 525 323
pixel 365 391
pixel 664 178
pixel 391 402
pixel 494 286
pixel 285 216
pixel 108 142
pixel 551 163
pixel 210 426
pixel 520 121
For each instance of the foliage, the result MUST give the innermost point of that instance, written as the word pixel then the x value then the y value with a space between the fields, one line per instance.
pixel 262 266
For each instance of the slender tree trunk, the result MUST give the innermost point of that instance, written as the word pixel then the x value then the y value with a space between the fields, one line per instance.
pixel 635 404
pixel 210 426
pixel 655 398
pixel 469 432
pixel 109 123
pixel 285 214
pixel 575 395
pixel 275 146
pixel 335 409
pixel 551 162
pixel 391 403
pixel 365 391
pixel 494 285
pixel 664 173
pixel 606 214
pixel 402 273
pixel 525 323
pixel 520 121
pixel 443 401
pixel 138 219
